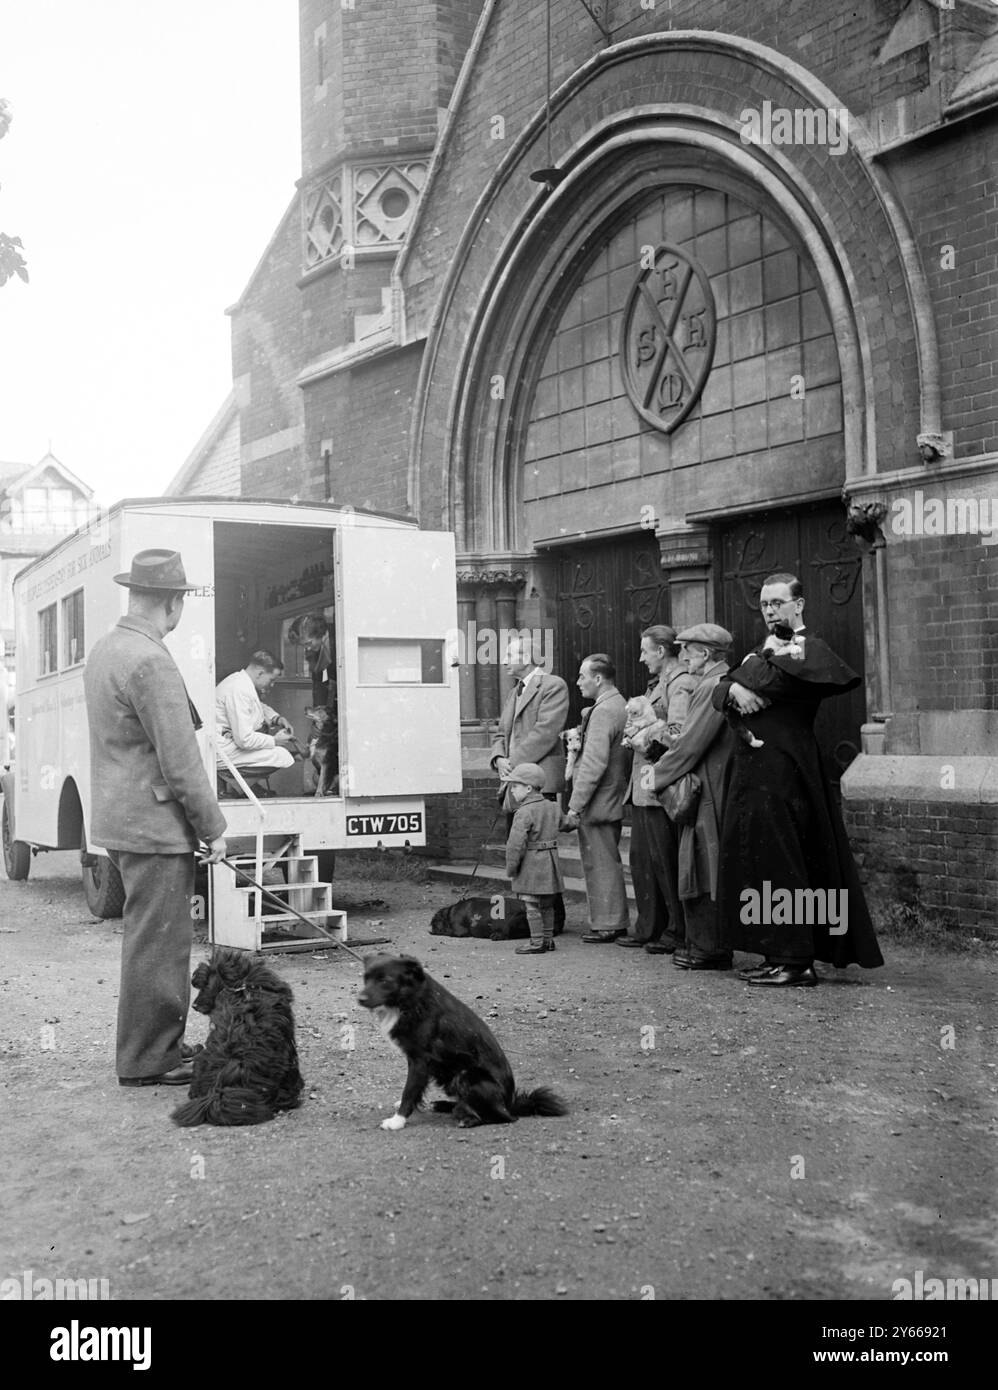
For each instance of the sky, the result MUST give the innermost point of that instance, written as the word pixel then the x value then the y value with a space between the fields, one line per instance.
pixel 153 150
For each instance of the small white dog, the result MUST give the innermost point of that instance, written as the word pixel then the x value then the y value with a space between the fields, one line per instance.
pixel 572 739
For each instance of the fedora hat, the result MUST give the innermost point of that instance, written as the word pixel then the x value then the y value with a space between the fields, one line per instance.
pixel 156 569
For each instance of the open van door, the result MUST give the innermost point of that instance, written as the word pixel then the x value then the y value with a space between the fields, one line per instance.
pixel 400 721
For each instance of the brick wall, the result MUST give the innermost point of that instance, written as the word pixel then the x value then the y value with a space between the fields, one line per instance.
pixel 943 622
pixel 949 185
pixel 419 43
pixel 365 412
pixel 266 360
pixel 458 825
pixel 938 855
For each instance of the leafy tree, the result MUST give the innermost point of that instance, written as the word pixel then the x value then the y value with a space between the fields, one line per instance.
pixel 11 260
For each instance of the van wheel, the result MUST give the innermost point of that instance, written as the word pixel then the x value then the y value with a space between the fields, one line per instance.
pixel 16 853
pixel 102 885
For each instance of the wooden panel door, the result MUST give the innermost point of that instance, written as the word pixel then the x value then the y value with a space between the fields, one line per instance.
pixel 811 543
pixel 608 592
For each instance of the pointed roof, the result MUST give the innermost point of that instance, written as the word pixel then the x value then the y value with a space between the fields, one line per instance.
pixel 15 476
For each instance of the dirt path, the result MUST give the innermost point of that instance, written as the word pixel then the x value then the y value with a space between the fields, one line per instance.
pixel 694 1101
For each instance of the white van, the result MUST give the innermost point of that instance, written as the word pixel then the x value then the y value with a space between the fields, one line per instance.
pixel 387 593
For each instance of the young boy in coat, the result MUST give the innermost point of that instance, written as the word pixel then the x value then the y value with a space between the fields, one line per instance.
pixel 532 855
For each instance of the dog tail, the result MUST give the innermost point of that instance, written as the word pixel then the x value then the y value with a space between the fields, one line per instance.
pixel 542 1101
pixel 236 1105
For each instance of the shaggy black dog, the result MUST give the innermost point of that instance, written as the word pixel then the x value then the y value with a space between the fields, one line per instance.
pixel 445 1042
pixel 248 1070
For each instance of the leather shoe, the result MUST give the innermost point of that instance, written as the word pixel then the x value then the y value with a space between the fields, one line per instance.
pixel 602 938
pixel 752 970
pixel 659 948
pixel 787 975
pixel 179 1076
pixel 189 1050
pixel 534 948
pixel 703 963
pixel 633 942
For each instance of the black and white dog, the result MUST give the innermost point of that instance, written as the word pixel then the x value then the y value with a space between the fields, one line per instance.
pixel 248 1070
pixel 446 1042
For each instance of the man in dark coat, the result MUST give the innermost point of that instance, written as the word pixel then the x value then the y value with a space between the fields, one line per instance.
pixel 787 882
pixel 151 802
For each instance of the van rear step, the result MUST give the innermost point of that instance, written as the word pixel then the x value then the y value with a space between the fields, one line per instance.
pixel 249 920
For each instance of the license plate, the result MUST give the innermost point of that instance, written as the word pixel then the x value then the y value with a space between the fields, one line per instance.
pixel 388 823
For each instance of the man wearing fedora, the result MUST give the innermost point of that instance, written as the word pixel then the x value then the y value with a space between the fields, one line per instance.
pixel 151 803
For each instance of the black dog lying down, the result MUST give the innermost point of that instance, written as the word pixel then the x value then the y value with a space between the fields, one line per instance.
pixel 446 1042
pixel 248 1070
pixel 499 918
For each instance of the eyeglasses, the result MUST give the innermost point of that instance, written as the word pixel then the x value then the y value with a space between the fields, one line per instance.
pixel 776 603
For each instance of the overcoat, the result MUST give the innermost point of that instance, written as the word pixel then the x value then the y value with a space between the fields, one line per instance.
pixel 670 695
pixel 781 825
pixel 602 770
pixel 150 793
pixel 529 731
pixel 704 748
pixel 532 847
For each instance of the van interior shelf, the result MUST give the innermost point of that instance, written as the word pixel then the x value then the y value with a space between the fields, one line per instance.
pixel 316 601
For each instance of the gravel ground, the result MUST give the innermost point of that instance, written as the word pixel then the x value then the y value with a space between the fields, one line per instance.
pixel 723 1143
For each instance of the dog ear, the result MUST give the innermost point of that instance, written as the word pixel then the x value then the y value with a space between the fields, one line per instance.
pixel 412 972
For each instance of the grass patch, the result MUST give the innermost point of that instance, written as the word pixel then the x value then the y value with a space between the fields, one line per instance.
pixel 392 864
pixel 909 924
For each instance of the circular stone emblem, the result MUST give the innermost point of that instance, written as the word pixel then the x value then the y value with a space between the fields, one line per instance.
pixel 667 338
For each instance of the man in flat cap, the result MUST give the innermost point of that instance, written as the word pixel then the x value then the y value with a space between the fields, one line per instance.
pixel 788 887
pixel 151 802
pixel 702 748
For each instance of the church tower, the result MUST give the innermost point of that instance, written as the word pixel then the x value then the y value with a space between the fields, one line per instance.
pixel 376 77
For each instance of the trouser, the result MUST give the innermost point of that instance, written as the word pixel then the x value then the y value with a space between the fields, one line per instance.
pixel 155 960
pixel 557 899
pixel 703 933
pixel 599 845
pixel 256 761
pixel 654 861
pixel 539 908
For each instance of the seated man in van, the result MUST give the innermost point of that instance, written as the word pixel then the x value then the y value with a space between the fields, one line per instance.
pixel 242 718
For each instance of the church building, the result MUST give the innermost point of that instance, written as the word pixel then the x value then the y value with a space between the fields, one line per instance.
pixel 645 300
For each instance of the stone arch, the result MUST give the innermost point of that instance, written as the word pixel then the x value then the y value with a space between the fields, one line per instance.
pixel 611 124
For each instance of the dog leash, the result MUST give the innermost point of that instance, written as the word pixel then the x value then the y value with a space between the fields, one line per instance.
pixel 285 906
pixel 485 845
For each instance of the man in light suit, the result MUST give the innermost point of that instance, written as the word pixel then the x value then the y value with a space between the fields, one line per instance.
pixel 151 802
pixel 596 806
pixel 529 731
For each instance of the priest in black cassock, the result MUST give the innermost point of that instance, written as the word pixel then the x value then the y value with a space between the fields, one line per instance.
pixel 787 887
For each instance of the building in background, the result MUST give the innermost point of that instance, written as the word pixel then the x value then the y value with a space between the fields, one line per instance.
pixel 631 333
pixel 39 504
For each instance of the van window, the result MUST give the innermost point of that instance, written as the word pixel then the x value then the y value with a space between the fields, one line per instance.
pixel 387 661
pixel 48 650
pixel 72 629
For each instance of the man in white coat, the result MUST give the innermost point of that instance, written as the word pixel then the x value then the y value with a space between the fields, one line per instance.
pixel 241 717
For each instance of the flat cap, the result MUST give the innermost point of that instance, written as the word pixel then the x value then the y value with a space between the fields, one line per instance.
pixel 528 773
pixel 707 634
